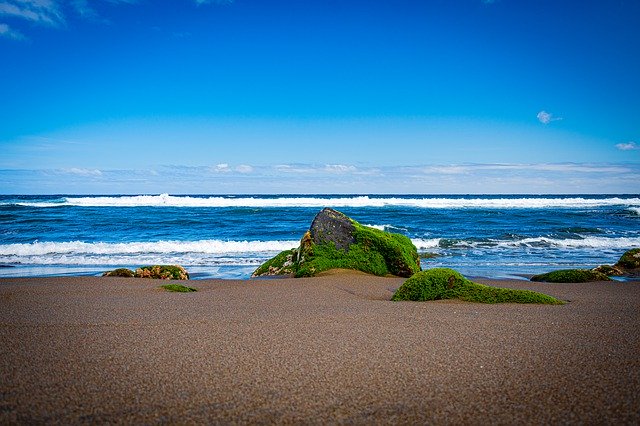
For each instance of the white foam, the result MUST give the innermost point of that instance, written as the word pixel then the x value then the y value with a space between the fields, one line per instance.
pixel 158 247
pixel 636 210
pixel 422 243
pixel 166 200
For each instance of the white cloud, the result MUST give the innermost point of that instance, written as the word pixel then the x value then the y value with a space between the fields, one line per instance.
pixel 629 146
pixel 546 117
pixel 244 168
pixel 82 172
pixel 339 168
pixel 52 12
pixel 40 11
pixel 221 168
pixel 7 31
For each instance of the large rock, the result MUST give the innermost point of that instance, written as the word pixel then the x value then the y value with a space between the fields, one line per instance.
pixel 336 241
pixel 630 261
pixel 332 226
pixel 627 266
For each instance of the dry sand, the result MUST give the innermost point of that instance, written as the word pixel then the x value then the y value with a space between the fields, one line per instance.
pixel 331 349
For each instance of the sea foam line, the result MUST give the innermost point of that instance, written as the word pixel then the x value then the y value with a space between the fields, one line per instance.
pixel 234 248
pixel 166 200
pixel 158 247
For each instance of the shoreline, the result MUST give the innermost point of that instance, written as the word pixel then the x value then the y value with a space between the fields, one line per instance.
pixel 324 349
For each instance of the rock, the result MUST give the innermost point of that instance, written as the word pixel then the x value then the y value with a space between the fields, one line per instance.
pixel 608 270
pixel 571 276
pixel 335 241
pixel 445 283
pixel 162 272
pixel 332 226
pixel 630 261
pixel 120 272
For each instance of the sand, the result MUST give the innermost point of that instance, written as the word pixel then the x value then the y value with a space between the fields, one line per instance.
pixel 330 349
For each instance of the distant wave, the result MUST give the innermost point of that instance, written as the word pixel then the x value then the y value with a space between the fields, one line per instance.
pixel 636 210
pixel 166 200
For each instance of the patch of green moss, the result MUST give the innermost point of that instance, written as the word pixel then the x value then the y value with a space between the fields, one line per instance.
pixel 178 288
pixel 163 272
pixel 327 256
pixel 571 276
pixel 120 272
pixel 445 283
pixel 630 260
pixel 281 264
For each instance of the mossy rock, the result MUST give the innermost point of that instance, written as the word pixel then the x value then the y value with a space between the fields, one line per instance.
pixel 608 270
pixel 571 276
pixel 282 264
pixel 629 260
pixel 336 241
pixel 178 288
pixel 120 272
pixel 445 283
pixel 162 272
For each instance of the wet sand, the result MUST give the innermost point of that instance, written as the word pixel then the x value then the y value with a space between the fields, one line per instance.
pixel 330 349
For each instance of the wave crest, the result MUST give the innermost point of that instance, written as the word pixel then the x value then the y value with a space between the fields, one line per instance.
pixel 166 200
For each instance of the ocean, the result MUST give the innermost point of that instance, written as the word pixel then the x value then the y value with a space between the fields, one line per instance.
pixel 500 236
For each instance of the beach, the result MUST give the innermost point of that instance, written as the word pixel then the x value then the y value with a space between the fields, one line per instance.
pixel 329 349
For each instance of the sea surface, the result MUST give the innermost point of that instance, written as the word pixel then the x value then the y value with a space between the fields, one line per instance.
pixel 230 236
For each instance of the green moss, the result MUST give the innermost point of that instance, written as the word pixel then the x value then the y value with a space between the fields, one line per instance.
pixel 179 288
pixel 120 272
pixel 445 283
pixel 327 256
pixel 374 252
pixel 571 276
pixel 630 260
pixel 163 272
pixel 608 270
pixel 281 264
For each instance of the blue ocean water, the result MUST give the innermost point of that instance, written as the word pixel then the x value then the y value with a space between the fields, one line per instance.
pixel 230 236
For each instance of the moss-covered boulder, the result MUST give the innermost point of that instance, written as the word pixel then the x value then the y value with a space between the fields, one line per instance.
pixel 120 272
pixel 162 272
pixel 608 270
pixel 630 261
pixel 571 276
pixel 337 241
pixel 445 283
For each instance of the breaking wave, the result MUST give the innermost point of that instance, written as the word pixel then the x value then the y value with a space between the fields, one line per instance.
pixel 166 200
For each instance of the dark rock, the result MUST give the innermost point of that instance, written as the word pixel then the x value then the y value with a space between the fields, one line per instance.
pixel 335 241
pixel 630 261
pixel 332 226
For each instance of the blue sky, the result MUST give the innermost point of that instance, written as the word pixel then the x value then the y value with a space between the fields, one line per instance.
pixel 248 96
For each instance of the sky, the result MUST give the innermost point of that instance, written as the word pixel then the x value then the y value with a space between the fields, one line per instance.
pixel 349 97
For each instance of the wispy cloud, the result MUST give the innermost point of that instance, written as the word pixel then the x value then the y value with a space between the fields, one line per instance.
pixel 53 13
pixel 7 31
pixel 244 168
pixel 568 178
pixel 546 117
pixel 81 171
pixel 47 12
pixel 628 146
